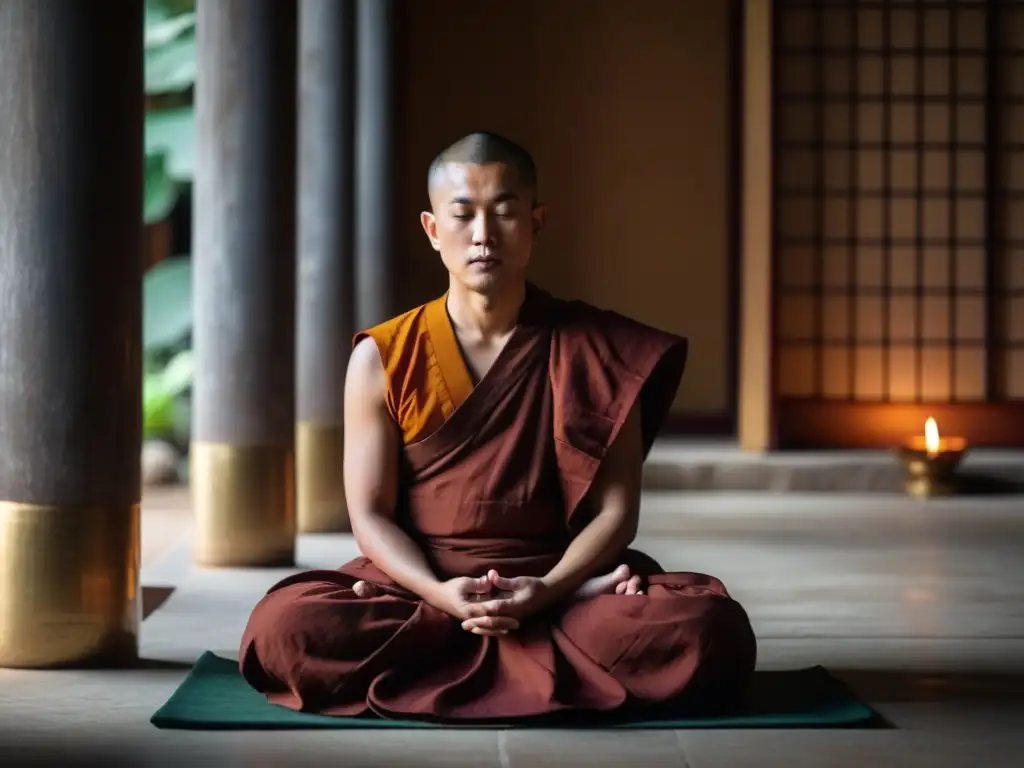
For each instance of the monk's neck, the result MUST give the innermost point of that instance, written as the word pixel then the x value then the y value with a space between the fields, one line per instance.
pixel 489 316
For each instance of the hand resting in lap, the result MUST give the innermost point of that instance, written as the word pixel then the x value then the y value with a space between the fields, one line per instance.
pixel 493 604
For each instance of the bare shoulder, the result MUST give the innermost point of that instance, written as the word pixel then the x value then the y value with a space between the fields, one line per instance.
pixel 371 439
pixel 366 380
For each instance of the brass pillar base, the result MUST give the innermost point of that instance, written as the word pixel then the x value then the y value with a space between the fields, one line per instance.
pixel 244 502
pixel 320 486
pixel 69 586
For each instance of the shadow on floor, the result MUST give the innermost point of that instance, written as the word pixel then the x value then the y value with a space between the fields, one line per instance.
pixel 153 598
pixel 988 484
pixel 72 752
pixel 159 665
pixel 890 686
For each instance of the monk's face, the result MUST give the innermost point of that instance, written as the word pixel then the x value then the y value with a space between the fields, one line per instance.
pixel 483 222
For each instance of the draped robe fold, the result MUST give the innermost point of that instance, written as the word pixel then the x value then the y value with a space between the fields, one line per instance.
pixel 502 482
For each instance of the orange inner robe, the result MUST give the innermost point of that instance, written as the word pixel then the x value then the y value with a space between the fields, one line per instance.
pixel 427 376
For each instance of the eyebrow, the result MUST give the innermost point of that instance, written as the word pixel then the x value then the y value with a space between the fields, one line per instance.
pixel 503 197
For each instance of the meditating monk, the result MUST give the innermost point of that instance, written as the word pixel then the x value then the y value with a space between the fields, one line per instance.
pixel 494 443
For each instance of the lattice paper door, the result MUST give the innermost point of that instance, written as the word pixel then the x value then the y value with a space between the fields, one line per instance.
pixel 899 221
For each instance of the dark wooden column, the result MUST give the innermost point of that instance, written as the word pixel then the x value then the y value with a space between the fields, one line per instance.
pixel 71 149
pixel 375 257
pixel 326 261
pixel 244 283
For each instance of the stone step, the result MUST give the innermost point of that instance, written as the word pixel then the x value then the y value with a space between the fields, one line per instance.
pixel 683 465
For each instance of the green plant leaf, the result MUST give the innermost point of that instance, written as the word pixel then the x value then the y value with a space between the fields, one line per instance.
pixel 170 45
pixel 173 132
pixel 176 377
pixel 171 67
pixel 160 10
pixel 166 407
pixel 167 304
pixel 160 190
pixel 157 408
pixel 154 13
pixel 160 30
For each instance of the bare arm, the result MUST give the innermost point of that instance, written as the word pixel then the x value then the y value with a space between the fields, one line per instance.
pixel 615 494
pixel 372 445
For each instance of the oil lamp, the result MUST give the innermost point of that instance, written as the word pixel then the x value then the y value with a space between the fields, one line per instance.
pixel 931 461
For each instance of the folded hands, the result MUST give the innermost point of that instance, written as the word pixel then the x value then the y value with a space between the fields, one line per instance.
pixel 495 605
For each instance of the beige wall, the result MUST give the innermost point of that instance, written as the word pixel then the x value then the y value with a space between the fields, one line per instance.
pixel 625 108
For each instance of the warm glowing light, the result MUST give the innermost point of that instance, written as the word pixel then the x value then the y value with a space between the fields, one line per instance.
pixel 931 435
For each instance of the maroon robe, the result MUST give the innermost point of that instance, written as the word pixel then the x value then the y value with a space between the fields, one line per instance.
pixel 502 484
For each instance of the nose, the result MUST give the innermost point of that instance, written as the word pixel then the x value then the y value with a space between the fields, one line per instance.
pixel 483 230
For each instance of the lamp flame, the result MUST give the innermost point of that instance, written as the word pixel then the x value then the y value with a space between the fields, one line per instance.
pixel 931 435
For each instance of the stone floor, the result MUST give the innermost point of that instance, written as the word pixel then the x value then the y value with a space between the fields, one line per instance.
pixel 919 606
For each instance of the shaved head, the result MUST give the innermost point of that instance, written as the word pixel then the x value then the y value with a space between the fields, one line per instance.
pixel 483 148
pixel 484 216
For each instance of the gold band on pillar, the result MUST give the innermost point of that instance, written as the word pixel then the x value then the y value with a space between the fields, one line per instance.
pixel 69 585
pixel 244 502
pixel 320 487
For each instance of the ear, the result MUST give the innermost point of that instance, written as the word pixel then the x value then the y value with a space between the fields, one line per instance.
pixel 540 218
pixel 429 223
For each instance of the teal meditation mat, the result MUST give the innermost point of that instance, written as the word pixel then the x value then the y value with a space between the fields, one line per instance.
pixel 214 696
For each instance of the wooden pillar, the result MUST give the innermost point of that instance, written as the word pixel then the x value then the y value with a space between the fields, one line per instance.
pixel 375 242
pixel 244 283
pixel 325 320
pixel 71 159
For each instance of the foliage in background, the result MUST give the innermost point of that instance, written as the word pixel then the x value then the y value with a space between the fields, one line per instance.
pixel 170 49
pixel 167 342
pixel 170 73
pixel 170 42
